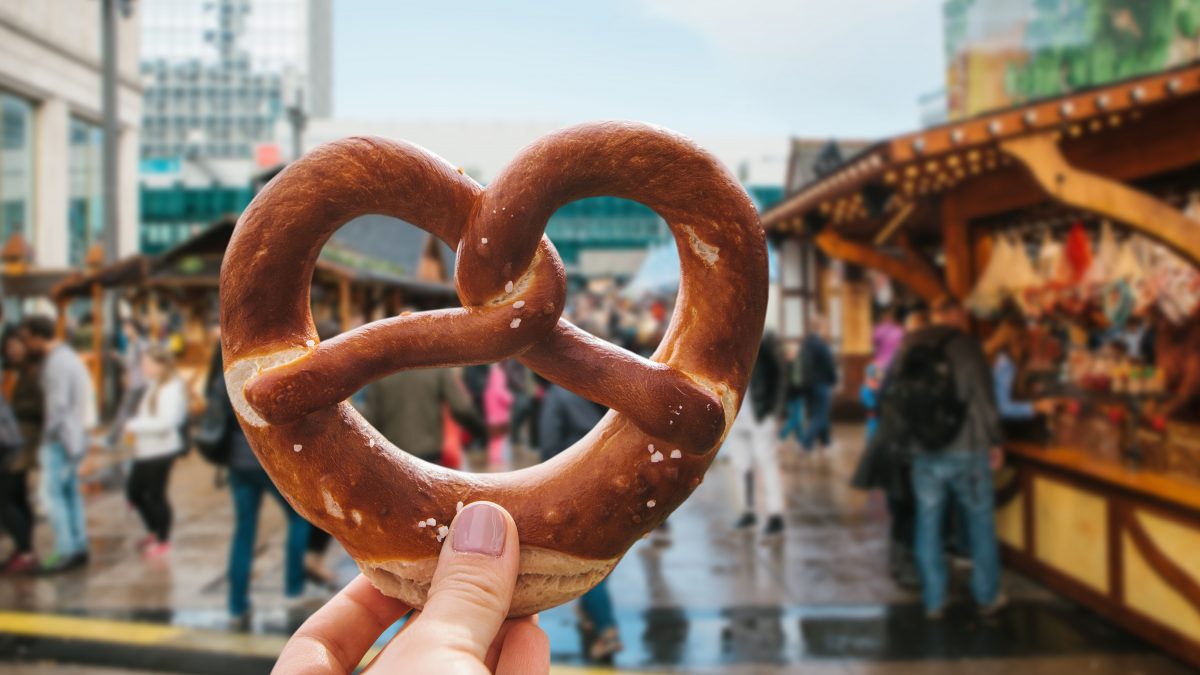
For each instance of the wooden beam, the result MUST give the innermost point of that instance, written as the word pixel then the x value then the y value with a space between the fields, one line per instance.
pixel 98 342
pixel 914 256
pixel 956 247
pixel 894 224
pixel 1104 196
pixel 925 284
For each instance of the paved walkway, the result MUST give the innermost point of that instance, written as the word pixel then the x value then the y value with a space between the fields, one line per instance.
pixel 701 599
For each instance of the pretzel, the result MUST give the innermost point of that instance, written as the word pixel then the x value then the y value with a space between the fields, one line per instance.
pixel 577 513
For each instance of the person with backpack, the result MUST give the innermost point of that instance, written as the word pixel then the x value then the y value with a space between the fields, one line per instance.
pixel 221 440
pixel 69 405
pixel 942 387
pixel 820 377
pixel 157 432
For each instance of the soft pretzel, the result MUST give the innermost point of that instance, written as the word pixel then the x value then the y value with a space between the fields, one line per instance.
pixel 578 513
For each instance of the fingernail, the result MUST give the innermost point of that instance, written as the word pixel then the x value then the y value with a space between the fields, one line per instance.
pixel 480 528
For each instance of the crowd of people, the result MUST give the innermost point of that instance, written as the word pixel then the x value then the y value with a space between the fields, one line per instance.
pixel 489 417
pixel 500 416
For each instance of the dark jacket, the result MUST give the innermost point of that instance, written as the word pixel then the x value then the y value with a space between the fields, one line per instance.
pixel 973 377
pixel 407 409
pixel 884 463
pixel 766 390
pixel 817 363
pixel 565 418
pixel 27 405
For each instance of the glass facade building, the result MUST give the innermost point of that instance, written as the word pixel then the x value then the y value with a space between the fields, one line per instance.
pixel 219 76
pixel 16 166
pixel 85 215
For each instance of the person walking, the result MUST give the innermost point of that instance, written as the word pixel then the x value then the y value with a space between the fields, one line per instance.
pixel 754 453
pixel 945 390
pixel 885 464
pixel 68 395
pixel 820 378
pixel 520 383
pixel 793 393
pixel 157 432
pixel 249 483
pixel 868 395
pixel 497 409
pixel 20 431
pixel 565 418
pixel 133 379
pixel 406 407
pixel 886 339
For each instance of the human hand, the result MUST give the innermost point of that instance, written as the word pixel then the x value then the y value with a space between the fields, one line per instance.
pixel 462 630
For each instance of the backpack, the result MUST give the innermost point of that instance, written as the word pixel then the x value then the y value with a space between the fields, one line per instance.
pixel 214 433
pixel 925 393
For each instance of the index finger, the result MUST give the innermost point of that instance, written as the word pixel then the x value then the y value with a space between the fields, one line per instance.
pixel 335 638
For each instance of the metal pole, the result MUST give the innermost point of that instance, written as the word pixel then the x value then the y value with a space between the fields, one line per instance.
pixel 109 103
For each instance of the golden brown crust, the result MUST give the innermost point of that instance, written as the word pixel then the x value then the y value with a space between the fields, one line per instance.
pixel 589 503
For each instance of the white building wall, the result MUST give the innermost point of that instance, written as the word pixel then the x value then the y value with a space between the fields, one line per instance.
pixel 50 53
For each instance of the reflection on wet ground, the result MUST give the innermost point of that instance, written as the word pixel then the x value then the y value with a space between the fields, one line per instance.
pixel 777 635
pixel 700 597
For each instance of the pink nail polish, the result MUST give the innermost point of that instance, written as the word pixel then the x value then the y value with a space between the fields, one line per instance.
pixel 480 528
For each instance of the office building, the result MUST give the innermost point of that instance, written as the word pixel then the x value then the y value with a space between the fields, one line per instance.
pixel 222 82
pixel 51 129
pixel 220 79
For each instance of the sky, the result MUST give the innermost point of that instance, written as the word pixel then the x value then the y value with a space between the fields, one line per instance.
pixel 815 68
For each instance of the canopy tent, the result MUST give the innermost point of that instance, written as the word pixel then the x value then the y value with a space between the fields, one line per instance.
pixel 659 273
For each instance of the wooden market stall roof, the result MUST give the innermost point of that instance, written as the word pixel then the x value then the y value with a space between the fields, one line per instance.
pixel 1100 129
pixel 1083 151
pixel 125 272
pixel 19 277
pixel 197 263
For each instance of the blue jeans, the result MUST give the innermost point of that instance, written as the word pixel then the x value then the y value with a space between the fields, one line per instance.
pixel 794 424
pixel 64 503
pixel 248 487
pixel 819 403
pixel 597 605
pixel 967 477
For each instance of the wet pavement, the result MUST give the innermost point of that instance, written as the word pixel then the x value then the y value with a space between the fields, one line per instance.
pixel 699 598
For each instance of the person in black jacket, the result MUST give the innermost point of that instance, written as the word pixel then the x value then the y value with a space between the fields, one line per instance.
pixel 820 378
pixel 753 446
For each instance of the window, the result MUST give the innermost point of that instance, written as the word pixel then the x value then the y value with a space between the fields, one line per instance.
pixel 85 217
pixel 16 166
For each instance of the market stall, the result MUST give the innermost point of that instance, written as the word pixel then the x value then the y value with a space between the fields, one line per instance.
pixel 1073 223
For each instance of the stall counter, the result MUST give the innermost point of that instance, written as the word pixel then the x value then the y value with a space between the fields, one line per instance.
pixel 1124 542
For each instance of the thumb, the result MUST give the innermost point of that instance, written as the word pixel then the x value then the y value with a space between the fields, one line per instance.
pixel 473 585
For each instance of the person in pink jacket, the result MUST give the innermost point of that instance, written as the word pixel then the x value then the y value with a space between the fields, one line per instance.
pixel 497 410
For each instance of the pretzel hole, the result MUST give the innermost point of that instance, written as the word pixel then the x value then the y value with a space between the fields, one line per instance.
pixel 377 266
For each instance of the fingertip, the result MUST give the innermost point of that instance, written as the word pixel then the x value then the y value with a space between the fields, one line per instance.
pixel 473 584
pixel 484 528
pixel 526 650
